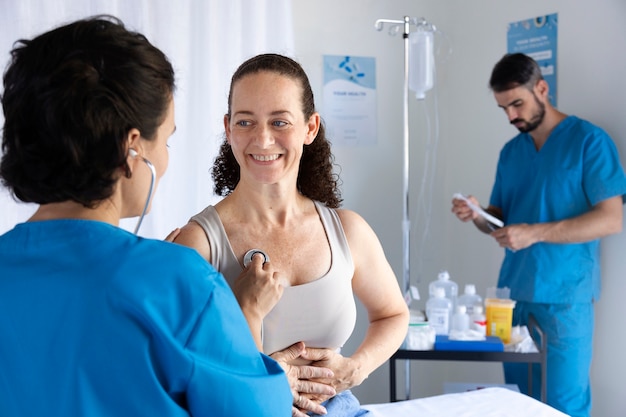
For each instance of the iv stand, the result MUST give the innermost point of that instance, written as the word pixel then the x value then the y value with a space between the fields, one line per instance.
pixel 406 223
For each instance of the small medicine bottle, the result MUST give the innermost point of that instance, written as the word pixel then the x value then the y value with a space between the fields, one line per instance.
pixel 438 311
pixel 478 321
pixel 460 319
pixel 470 299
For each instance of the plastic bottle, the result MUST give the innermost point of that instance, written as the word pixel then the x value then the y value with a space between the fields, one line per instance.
pixel 478 321
pixel 438 311
pixel 470 299
pixel 450 287
pixel 460 320
pixel 422 59
pixel 421 336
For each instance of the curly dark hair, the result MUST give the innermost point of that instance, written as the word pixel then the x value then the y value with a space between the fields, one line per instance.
pixel 316 179
pixel 71 95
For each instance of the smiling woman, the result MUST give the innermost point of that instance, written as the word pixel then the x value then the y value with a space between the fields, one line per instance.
pixel 316 164
pixel 275 170
pixel 266 132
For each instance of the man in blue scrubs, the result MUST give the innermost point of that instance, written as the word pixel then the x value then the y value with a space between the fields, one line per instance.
pixel 559 188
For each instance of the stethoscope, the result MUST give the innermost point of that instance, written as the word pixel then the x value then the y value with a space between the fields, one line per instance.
pixel 133 153
pixel 247 258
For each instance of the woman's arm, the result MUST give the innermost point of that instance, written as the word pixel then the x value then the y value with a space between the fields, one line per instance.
pixel 376 286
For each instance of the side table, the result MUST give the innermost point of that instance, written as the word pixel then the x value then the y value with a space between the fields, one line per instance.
pixel 477 356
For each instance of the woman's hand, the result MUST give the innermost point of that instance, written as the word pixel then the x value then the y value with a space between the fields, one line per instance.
pixel 258 288
pixel 346 371
pixel 173 234
pixel 304 380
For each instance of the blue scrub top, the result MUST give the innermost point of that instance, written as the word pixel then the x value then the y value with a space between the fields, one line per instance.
pixel 95 321
pixel 576 168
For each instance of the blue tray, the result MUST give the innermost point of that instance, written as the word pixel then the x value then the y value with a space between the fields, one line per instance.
pixel 491 344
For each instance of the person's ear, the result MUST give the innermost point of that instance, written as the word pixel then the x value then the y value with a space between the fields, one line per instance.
pixel 542 89
pixel 134 149
pixel 227 127
pixel 133 139
pixel 313 126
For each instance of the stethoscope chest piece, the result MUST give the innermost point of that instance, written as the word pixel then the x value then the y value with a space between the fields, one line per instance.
pixel 247 258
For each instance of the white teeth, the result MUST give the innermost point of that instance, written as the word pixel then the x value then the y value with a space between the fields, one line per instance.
pixel 265 157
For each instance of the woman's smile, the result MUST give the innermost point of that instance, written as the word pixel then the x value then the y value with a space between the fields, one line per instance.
pixel 265 158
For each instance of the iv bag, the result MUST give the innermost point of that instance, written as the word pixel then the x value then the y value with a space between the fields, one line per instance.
pixel 421 62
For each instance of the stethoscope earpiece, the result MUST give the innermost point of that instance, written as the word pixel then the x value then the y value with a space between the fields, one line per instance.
pixel 133 154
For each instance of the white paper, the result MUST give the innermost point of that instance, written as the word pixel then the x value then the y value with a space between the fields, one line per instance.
pixel 491 219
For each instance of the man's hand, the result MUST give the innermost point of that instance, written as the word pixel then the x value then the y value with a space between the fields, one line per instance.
pixel 462 210
pixel 515 237
pixel 305 381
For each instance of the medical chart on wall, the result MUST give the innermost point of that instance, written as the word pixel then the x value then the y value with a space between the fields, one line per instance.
pixel 349 108
pixel 537 38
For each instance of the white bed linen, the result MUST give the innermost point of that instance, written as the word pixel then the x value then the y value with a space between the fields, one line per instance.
pixel 486 402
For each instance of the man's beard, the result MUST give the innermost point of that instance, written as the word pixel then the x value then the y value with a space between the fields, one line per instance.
pixel 535 120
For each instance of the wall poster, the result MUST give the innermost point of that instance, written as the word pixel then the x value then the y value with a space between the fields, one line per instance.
pixel 537 38
pixel 349 109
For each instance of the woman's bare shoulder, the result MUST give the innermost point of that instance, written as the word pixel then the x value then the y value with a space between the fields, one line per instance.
pixel 194 236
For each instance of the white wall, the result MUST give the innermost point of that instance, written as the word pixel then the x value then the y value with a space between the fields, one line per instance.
pixel 591 84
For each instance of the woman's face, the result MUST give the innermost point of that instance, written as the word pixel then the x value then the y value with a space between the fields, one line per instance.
pixel 267 128
pixel 156 151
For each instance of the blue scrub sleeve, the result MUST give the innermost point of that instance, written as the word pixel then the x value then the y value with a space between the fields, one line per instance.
pixel 603 176
pixel 228 370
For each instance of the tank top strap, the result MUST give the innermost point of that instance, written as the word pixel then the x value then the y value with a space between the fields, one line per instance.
pixel 336 236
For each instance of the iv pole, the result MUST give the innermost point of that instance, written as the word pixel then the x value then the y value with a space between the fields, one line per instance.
pixel 406 223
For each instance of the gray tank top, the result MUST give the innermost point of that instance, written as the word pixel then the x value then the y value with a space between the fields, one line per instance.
pixel 321 313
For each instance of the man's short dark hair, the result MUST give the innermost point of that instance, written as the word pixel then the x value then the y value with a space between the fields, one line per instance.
pixel 514 70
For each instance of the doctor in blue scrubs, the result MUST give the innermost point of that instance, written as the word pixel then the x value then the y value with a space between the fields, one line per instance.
pixel 94 320
pixel 559 189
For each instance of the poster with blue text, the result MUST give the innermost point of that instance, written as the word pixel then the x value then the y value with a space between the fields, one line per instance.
pixel 537 38
pixel 349 109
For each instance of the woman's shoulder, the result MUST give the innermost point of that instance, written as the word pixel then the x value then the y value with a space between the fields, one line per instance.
pixel 356 228
pixel 350 217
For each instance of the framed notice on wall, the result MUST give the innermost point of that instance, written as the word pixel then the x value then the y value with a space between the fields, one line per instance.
pixel 537 38
pixel 349 109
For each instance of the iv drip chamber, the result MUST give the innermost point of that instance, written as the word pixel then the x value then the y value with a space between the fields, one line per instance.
pixel 421 62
